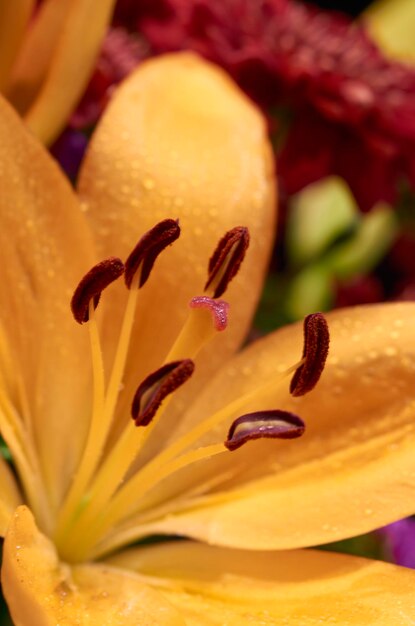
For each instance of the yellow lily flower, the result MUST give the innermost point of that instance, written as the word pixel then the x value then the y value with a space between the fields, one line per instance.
pixel 180 141
pixel 47 55
pixel 391 24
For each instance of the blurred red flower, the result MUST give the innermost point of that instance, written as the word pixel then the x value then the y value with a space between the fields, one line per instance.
pixel 353 110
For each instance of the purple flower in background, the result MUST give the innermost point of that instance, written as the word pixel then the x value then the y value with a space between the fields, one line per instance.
pixel 69 150
pixel 400 541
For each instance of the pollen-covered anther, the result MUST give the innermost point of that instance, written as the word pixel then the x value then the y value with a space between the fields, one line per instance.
pixel 161 383
pixel 315 351
pixel 275 424
pixel 226 260
pixel 218 309
pixel 92 285
pixel 145 253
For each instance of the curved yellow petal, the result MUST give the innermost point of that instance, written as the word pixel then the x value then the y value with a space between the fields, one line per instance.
pixel 353 470
pixel 36 52
pixel 218 586
pixel 180 140
pixel 41 591
pixel 44 248
pixel 70 66
pixel 10 496
pixel 14 18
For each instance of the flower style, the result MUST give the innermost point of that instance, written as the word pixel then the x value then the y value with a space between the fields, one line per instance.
pixel 48 53
pixel 180 141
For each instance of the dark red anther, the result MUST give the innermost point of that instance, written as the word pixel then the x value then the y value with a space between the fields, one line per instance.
pixel 152 391
pixel 226 260
pixel 92 284
pixel 276 424
pixel 151 244
pixel 218 309
pixel 315 351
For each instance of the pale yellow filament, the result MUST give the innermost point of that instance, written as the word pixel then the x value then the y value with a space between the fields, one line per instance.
pixel 17 431
pixel 85 534
pixel 92 451
pixel 196 332
pixel 97 500
pixel 125 501
pixel 103 409
pixel 19 443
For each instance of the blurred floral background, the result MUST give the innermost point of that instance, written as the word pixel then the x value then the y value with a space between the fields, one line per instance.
pixel 336 82
pixel 341 114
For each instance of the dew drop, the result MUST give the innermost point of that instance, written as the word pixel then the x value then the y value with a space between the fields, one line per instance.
pixel 148 183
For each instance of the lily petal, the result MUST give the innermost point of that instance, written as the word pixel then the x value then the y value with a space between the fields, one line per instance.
pixel 10 496
pixel 44 246
pixel 352 471
pixel 180 140
pixel 39 46
pixel 82 28
pixel 14 18
pixel 391 25
pixel 42 591
pixel 216 586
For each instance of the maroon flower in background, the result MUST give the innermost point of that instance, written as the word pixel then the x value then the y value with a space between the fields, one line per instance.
pixel 361 290
pixel 353 109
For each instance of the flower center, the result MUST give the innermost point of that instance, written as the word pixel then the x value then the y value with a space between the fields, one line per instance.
pixel 106 491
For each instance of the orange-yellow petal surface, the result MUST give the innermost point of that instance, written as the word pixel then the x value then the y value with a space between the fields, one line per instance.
pixel 353 470
pixel 10 496
pixel 14 18
pixel 180 140
pixel 70 67
pixel 391 24
pixel 301 588
pixel 41 591
pixel 36 52
pixel 44 249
